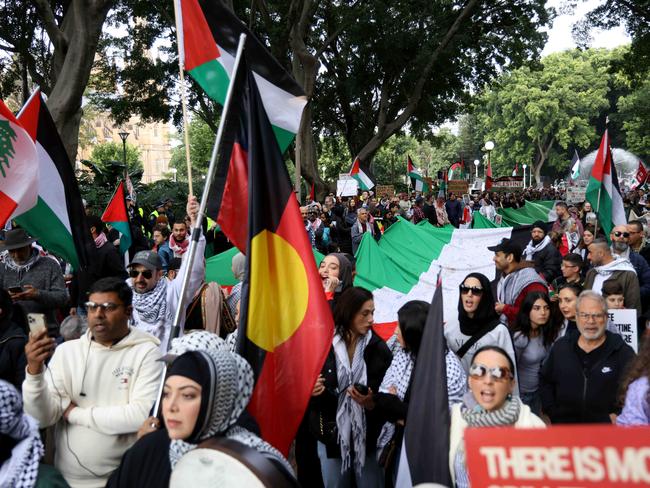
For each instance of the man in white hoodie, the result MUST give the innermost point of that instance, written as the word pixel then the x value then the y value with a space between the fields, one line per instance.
pixel 97 389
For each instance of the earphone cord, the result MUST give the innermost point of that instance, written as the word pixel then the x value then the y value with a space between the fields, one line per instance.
pixel 65 426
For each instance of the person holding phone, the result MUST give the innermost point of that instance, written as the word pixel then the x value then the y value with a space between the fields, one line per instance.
pixel 354 368
pixel 35 283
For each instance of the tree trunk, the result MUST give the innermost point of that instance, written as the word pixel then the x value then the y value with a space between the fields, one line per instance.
pixel 74 54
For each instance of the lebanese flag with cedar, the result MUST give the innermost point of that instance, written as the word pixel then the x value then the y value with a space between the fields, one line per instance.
pixel 19 167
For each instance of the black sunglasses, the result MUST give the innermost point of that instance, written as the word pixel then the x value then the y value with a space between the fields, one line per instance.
pixel 146 273
pixel 624 234
pixel 475 290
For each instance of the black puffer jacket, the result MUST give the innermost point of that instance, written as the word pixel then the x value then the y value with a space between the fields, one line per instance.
pixel 572 393
pixel 548 262
pixel 12 353
pixel 377 357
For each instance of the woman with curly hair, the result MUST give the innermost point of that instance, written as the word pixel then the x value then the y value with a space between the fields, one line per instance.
pixel 635 391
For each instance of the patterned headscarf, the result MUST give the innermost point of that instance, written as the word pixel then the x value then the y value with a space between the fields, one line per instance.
pixel 21 469
pixel 227 385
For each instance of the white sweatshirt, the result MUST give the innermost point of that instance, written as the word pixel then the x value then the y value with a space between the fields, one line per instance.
pixel 120 384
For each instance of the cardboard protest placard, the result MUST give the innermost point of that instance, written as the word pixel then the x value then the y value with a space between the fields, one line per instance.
pixel 384 190
pixel 346 186
pixel 603 456
pixel 625 321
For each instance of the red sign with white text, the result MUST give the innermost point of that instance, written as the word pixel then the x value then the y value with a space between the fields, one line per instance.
pixel 584 456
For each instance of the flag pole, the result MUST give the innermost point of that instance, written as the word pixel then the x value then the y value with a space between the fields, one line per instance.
pixel 178 17
pixel 196 232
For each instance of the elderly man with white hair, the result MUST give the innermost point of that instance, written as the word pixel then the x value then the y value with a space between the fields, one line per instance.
pixel 580 379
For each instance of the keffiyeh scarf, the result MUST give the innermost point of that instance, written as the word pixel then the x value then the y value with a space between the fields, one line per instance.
pixel 532 249
pixel 233 391
pixel 21 269
pixel 398 375
pixel 179 248
pixel 152 306
pixel 21 469
pixel 350 416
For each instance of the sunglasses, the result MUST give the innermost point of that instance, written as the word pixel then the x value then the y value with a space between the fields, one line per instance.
pixel 105 307
pixel 497 374
pixel 624 234
pixel 474 290
pixel 146 273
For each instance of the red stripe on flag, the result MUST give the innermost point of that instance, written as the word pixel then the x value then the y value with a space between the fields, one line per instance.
pixel 116 209
pixel 29 115
pixel 198 43
pixel 384 330
pixel 7 207
pixel 233 214
pixel 287 378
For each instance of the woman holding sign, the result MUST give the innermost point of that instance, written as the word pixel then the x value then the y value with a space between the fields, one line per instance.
pixel 490 403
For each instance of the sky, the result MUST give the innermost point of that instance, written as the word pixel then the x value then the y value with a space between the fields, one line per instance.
pixel 559 37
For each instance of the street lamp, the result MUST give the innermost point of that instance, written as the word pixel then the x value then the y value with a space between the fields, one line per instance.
pixel 173 171
pixel 123 135
pixel 476 163
pixel 525 166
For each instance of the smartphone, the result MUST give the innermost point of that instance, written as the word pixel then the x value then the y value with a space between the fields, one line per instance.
pixel 15 289
pixel 361 388
pixel 36 323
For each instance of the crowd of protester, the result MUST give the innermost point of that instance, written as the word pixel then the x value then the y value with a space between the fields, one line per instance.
pixel 80 352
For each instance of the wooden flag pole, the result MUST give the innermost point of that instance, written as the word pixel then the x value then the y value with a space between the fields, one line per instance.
pixel 196 231
pixel 178 17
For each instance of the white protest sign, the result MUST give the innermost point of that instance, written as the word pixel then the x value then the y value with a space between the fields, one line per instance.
pixel 625 321
pixel 346 186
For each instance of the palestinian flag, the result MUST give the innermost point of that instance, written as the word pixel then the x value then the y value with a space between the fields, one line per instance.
pixel 58 218
pixel 405 263
pixel 209 37
pixel 516 170
pixel 365 183
pixel 603 191
pixel 115 214
pixel 459 168
pixel 424 457
pixel 417 181
pixel 286 326
pixel 575 165
pixel 18 167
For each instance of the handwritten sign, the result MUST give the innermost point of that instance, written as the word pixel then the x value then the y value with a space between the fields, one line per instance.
pixel 563 456
pixel 346 186
pixel 625 321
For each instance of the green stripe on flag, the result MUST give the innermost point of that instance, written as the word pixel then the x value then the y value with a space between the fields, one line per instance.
pixel 125 237
pixel 213 78
pixel 41 222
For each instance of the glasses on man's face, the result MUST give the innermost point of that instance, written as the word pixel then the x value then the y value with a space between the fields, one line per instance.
pixel 478 371
pixel 92 307
pixel 146 273
pixel 474 290
pixel 591 316
pixel 625 235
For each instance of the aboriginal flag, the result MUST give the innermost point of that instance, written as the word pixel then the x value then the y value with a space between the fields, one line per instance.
pixel 286 326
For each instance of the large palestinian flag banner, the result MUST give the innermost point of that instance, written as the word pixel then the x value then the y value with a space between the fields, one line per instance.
pixel 58 218
pixel 286 326
pixel 18 167
pixel 209 37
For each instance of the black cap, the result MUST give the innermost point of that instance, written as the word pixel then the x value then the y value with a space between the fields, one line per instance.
pixel 148 259
pixel 419 199
pixel 539 224
pixel 507 246
pixel 174 264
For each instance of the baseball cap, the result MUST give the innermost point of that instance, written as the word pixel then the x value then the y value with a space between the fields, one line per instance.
pixel 148 259
pixel 507 246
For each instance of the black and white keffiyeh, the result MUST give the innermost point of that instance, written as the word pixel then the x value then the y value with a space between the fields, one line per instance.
pixel 152 305
pixel 350 416
pixel 197 340
pixel 397 375
pixel 233 381
pixel 532 249
pixel 21 469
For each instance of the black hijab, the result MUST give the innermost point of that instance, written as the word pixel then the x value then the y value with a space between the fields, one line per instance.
pixel 485 315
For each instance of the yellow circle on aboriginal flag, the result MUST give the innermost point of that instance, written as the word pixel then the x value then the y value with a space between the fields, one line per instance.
pixel 279 291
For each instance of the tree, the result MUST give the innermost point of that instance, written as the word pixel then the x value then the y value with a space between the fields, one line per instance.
pixel 110 154
pixel 634 110
pixel 54 44
pixel 201 143
pixel 534 114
